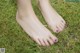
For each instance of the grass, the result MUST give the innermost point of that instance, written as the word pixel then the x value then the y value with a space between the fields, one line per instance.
pixel 15 40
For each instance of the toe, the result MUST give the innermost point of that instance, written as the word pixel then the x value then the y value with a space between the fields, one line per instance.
pixel 55 29
pixel 50 41
pixel 62 24
pixel 58 29
pixel 61 27
pixel 53 38
pixel 38 41
pixel 43 42
pixel 63 21
pixel 56 40
pixel 46 42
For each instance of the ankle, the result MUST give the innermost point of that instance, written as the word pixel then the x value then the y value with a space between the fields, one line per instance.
pixel 43 1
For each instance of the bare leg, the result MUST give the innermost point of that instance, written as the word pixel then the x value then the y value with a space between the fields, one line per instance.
pixel 31 25
pixel 54 20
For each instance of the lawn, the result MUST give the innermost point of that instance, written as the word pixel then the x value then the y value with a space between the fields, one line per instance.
pixel 15 40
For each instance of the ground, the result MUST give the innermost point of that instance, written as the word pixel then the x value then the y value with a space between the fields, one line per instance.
pixel 15 40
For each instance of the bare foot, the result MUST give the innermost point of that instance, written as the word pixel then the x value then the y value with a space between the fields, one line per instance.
pixel 54 20
pixel 32 26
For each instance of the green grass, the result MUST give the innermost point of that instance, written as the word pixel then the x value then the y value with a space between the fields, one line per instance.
pixel 15 40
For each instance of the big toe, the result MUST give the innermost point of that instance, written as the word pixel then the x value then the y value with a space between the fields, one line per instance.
pixel 59 27
pixel 52 39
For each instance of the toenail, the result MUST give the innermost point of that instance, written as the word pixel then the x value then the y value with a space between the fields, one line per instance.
pixel 56 40
pixel 62 21
pixel 57 30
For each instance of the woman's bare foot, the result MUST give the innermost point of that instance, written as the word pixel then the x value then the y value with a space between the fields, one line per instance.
pixel 54 20
pixel 32 26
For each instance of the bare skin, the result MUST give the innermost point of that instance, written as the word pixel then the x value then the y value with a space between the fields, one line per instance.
pixel 32 26
pixel 53 19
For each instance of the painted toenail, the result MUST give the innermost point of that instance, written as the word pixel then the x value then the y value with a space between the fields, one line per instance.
pixel 56 40
pixel 62 21
pixel 57 30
